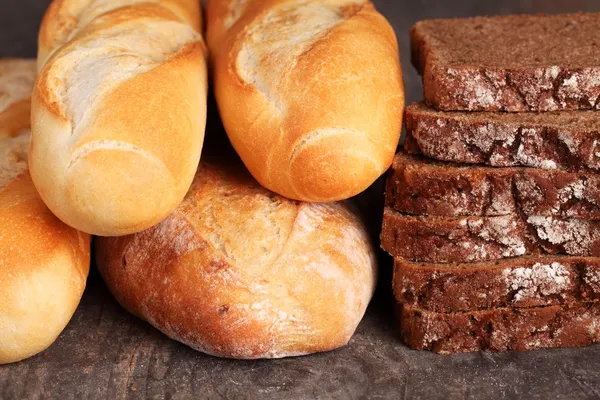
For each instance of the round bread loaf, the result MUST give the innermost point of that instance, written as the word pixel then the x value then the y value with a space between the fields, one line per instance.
pixel 43 263
pixel 240 272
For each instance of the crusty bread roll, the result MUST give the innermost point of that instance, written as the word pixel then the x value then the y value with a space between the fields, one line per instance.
pixel 240 272
pixel 310 92
pixel 43 263
pixel 118 112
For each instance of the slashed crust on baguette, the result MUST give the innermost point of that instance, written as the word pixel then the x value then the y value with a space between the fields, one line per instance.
pixel 313 117
pixel 65 18
pixel 118 114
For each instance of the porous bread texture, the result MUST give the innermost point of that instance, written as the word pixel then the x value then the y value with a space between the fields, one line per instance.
pixel 565 140
pixel 292 279
pixel 501 329
pixel 471 239
pixel 65 18
pixel 118 117
pixel 520 282
pixel 286 78
pixel 43 263
pixel 421 186
pixel 509 63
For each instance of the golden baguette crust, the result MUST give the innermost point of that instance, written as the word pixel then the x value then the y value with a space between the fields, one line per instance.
pixel 43 263
pixel 65 17
pixel 118 119
pixel 240 272
pixel 310 92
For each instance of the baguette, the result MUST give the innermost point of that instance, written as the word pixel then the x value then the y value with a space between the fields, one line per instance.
pixel 310 93
pixel 16 80
pixel 65 17
pixel 240 272
pixel 43 262
pixel 118 112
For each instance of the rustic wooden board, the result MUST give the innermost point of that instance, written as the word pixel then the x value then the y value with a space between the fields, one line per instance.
pixel 105 353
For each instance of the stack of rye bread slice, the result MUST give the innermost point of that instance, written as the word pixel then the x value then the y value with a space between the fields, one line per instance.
pixel 493 209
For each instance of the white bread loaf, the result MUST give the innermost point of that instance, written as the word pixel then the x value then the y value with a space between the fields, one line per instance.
pixel 43 263
pixel 240 272
pixel 310 92
pixel 118 111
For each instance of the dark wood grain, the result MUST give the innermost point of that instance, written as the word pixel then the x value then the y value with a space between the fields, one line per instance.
pixel 105 353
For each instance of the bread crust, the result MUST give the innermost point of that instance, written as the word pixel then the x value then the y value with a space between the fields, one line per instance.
pixel 44 266
pixel 553 141
pixel 419 186
pixel 43 263
pixel 240 272
pixel 501 329
pixel 509 63
pixel 313 115
pixel 520 282
pixel 471 239
pixel 16 80
pixel 64 18
pixel 118 118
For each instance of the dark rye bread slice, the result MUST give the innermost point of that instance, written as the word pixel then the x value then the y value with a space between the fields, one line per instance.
pixel 521 282
pixel 557 140
pixel 421 186
pixel 472 239
pixel 501 329
pixel 510 63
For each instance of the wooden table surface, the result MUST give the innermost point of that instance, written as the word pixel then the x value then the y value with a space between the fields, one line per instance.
pixel 105 353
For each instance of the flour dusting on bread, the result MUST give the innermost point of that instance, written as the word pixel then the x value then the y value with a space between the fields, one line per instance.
pixel 13 157
pixel 85 74
pixel 235 11
pixel 71 16
pixel 577 236
pixel 95 8
pixel 274 42
pixel 245 273
pixel 537 281
pixel 16 82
